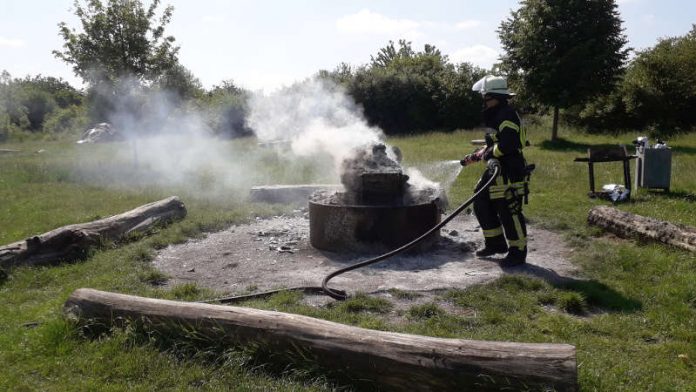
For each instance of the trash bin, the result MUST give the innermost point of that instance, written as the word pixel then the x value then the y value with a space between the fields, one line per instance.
pixel 653 167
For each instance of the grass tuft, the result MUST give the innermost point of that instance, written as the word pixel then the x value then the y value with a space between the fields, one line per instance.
pixel 153 277
pixel 425 311
pixel 572 303
pixel 403 294
pixel 364 303
pixel 186 291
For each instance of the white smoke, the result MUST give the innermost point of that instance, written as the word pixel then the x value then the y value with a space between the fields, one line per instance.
pixel 167 146
pixel 316 117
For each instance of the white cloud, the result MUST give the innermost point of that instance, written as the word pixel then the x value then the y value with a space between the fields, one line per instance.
pixel 468 24
pixel 480 55
pixel 11 42
pixel 368 22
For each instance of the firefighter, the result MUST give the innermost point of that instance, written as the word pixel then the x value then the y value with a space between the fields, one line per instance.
pixel 499 209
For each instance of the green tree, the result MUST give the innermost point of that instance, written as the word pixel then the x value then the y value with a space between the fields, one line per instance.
pixel 119 38
pixel 403 90
pixel 564 52
pixel 181 82
pixel 660 85
pixel 226 107
pixel 121 51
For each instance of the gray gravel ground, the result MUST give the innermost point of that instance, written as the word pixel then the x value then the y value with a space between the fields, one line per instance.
pixel 272 253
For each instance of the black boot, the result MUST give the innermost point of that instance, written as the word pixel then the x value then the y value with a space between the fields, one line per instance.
pixel 514 257
pixel 493 246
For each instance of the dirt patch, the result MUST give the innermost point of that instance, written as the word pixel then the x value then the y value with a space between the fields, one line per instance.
pixel 275 253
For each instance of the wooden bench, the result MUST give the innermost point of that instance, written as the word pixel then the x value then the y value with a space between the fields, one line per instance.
pixel 607 154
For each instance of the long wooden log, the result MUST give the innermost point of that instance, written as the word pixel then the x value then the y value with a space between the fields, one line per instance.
pixel 628 225
pixel 72 241
pixel 387 360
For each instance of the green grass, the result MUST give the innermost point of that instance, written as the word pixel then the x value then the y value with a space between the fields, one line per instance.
pixel 633 321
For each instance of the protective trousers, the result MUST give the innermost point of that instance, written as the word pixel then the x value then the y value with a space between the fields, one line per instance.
pixel 499 211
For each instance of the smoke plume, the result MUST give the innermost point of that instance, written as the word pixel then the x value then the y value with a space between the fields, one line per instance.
pixel 315 117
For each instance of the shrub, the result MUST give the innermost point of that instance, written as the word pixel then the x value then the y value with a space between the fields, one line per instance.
pixel 70 119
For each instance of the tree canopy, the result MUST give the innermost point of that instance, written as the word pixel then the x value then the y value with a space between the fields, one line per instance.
pixel 119 38
pixel 403 90
pixel 564 52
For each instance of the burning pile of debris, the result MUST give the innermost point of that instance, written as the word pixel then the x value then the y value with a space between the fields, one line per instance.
pixel 374 176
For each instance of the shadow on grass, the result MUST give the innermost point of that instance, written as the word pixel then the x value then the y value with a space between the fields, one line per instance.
pixel 564 145
pixel 684 149
pixel 596 294
pixel 679 195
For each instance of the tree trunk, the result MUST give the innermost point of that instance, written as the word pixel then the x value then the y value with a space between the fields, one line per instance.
pixel 71 242
pixel 554 130
pixel 389 361
pixel 627 225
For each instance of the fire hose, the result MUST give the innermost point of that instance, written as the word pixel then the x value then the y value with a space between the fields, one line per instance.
pixel 341 295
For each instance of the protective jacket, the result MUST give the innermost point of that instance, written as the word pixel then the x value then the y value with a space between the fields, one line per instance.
pixel 508 139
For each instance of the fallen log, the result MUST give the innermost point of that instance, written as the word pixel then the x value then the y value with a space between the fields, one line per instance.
pixel 386 360
pixel 71 242
pixel 628 225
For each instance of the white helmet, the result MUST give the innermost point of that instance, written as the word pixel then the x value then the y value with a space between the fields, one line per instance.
pixel 490 84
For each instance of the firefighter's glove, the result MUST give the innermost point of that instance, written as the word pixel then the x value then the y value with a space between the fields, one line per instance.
pixel 489 140
pixel 473 157
pixel 468 159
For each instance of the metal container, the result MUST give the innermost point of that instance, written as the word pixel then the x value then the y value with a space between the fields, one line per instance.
pixel 654 168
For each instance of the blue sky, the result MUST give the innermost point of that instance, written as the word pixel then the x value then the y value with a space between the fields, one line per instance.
pixel 264 43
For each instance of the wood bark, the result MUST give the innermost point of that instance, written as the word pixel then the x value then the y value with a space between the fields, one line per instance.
pixel 385 360
pixel 554 128
pixel 71 242
pixel 628 225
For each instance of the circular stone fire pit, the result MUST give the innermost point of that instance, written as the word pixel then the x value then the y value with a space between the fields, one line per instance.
pixel 379 209
pixel 359 227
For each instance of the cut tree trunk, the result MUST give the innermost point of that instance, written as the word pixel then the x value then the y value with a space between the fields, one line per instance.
pixel 554 129
pixel 71 242
pixel 628 225
pixel 386 360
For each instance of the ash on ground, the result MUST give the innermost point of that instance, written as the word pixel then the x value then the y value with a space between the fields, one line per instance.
pixel 275 253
